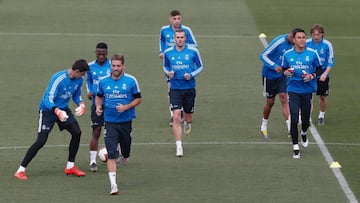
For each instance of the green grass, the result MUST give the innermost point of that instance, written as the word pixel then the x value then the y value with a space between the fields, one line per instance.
pixel 225 157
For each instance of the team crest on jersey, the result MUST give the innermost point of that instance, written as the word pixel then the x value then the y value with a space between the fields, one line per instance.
pixel 322 51
pixel 307 58
pixel 124 86
pixel 187 57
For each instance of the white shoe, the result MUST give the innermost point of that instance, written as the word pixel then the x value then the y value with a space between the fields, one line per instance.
pixel 304 141
pixel 179 151
pixel 296 155
pixel 114 190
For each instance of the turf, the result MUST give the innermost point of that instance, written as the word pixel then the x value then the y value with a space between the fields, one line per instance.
pixel 225 157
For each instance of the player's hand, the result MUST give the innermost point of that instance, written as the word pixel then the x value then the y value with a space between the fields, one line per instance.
pixel 323 77
pixel 121 108
pixel 187 76
pixel 99 111
pixel 289 72
pixel 62 115
pixel 80 110
pixel 161 56
pixel 307 77
pixel 90 95
pixel 171 74
pixel 278 69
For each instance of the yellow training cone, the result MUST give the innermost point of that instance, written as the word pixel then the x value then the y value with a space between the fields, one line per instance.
pixel 262 35
pixel 335 164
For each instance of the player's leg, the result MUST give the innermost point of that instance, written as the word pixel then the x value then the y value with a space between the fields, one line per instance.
pixel 168 91
pixel 125 143
pixel 46 123
pixel 323 92
pixel 270 93
pixel 305 107
pixel 176 98
pixel 96 125
pixel 111 142
pixel 283 97
pixel 72 126
pixel 188 109
pixel 294 106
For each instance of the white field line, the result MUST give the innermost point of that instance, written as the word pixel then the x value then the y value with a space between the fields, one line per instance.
pixel 325 152
pixel 337 172
pixel 146 35
pixel 185 143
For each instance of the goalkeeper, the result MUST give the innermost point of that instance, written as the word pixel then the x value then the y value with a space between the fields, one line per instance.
pixel 53 108
pixel 301 65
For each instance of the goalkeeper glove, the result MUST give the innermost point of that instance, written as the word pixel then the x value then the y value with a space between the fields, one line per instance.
pixel 80 110
pixel 62 115
pixel 307 77
pixel 289 72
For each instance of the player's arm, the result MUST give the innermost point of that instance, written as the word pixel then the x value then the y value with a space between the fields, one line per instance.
pixel 51 92
pixel 264 56
pixel 89 83
pixel 99 103
pixel 330 63
pixel 190 38
pixel 161 44
pixel 136 101
pixel 285 67
pixel 198 65
pixel 99 100
pixel 167 67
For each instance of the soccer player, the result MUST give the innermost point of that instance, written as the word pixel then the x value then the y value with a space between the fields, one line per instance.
pixel 301 65
pixel 166 40
pixel 53 108
pixel 326 53
pixel 182 63
pixel 99 68
pixel 274 81
pixel 116 99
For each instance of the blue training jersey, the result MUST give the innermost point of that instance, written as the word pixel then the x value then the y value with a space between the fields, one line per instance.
pixel 59 91
pixel 187 60
pixel 94 75
pixel 325 50
pixel 167 37
pixel 116 92
pixel 304 62
pixel 271 56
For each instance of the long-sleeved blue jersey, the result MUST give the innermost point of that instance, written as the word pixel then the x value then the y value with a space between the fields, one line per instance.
pixel 186 61
pixel 59 91
pixel 94 75
pixel 167 37
pixel 116 92
pixel 304 62
pixel 325 50
pixel 271 56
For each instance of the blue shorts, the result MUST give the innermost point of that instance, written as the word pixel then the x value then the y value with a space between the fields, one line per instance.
pixel 96 121
pixel 115 133
pixel 47 119
pixel 274 86
pixel 183 99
